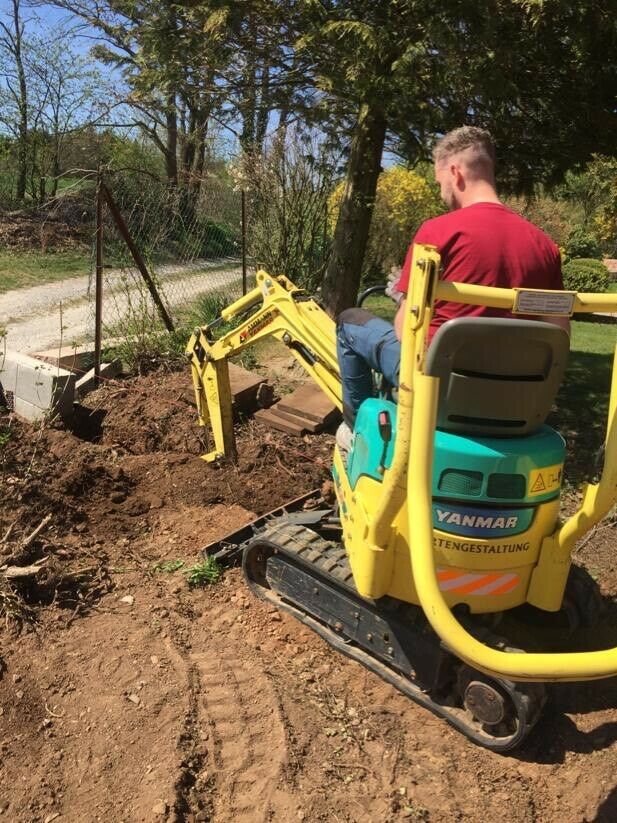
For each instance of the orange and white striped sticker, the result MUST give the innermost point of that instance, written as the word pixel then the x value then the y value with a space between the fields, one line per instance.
pixel 476 583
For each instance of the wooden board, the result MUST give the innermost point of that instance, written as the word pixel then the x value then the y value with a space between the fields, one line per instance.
pixel 307 425
pixel 274 421
pixel 310 402
pixel 248 390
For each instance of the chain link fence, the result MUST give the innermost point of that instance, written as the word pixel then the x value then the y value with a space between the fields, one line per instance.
pixel 170 257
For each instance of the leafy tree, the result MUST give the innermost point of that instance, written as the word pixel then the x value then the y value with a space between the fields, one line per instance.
pixel 413 70
pixel 13 71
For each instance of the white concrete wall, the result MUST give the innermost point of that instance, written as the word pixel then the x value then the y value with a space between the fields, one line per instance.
pixel 38 389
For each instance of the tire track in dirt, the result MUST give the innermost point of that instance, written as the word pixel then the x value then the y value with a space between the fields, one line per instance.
pixel 248 741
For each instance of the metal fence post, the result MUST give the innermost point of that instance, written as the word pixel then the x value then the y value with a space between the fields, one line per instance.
pixel 98 300
pixel 139 261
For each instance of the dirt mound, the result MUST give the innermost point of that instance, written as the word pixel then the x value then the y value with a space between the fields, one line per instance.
pixel 66 224
pixel 129 696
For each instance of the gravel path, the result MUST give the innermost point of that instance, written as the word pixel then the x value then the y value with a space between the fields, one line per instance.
pixel 40 317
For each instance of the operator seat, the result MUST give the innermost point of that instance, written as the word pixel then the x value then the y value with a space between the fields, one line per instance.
pixel 498 376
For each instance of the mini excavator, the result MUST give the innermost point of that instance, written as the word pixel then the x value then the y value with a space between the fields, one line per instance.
pixel 447 512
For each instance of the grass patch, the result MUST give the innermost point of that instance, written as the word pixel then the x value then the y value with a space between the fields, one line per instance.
pixel 168 566
pixel 204 574
pixel 18 271
pixel 582 401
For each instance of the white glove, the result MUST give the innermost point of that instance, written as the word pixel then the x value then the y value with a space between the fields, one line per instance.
pixel 393 278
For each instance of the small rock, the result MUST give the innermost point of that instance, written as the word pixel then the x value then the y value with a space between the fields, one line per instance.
pixel 1 710
pixel 275 618
pixel 19 694
pixel 81 527
pixel 159 808
pixel 117 497
pixel 47 722
pixel 154 660
pixel 16 678
pixel 133 698
pixel 128 599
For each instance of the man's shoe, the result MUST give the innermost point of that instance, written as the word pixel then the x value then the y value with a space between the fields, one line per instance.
pixel 344 440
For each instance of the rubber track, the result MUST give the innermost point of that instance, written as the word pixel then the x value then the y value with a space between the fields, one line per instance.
pixel 329 559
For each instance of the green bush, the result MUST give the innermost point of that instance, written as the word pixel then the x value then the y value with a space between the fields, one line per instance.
pixel 582 244
pixel 585 275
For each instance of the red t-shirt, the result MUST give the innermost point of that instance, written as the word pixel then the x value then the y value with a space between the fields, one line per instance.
pixel 489 245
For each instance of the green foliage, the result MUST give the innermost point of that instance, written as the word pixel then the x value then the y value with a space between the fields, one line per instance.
pixel 593 190
pixel 287 196
pixel 205 573
pixel 582 244
pixel 404 200
pixel 5 435
pixel 168 566
pixel 586 275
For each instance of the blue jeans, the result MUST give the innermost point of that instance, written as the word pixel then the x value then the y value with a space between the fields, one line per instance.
pixel 364 343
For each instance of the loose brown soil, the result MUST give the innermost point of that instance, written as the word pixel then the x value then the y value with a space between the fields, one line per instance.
pixel 127 696
pixel 62 225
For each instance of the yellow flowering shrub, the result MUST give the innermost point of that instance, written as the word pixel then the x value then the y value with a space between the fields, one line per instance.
pixel 404 200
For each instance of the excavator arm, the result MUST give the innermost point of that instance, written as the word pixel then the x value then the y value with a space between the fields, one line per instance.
pixel 276 308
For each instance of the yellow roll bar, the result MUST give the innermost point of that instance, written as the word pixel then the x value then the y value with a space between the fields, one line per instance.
pixel 597 500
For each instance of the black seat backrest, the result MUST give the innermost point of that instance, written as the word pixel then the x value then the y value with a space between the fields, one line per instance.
pixel 499 376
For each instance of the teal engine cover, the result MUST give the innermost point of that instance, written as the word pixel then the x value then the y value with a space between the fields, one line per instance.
pixel 481 485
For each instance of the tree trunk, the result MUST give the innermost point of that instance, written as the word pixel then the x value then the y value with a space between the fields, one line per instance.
pixel 342 278
pixel 22 141
pixel 171 148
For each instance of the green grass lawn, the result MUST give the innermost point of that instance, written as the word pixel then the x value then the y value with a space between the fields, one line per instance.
pixel 582 401
pixel 18 271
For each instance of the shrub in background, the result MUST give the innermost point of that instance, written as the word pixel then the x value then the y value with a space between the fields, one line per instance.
pixel 404 200
pixel 582 244
pixel 287 195
pixel 586 275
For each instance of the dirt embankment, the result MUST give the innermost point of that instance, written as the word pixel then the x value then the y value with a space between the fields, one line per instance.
pixel 129 696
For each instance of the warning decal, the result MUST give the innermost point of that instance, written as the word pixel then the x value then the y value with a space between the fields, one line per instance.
pixel 546 480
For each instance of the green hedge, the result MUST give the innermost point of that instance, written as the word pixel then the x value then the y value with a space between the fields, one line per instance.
pixel 585 275
pixel 581 244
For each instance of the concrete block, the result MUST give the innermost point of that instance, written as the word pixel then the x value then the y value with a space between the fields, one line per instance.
pixel 71 358
pixel 107 371
pixel 36 388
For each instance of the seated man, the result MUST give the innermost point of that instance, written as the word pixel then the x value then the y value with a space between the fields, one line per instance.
pixel 480 241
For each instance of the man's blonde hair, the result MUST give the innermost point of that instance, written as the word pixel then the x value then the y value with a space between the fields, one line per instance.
pixel 467 137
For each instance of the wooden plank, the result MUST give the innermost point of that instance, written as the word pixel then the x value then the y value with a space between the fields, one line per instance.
pixel 274 421
pixel 308 425
pixel 248 390
pixel 310 402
